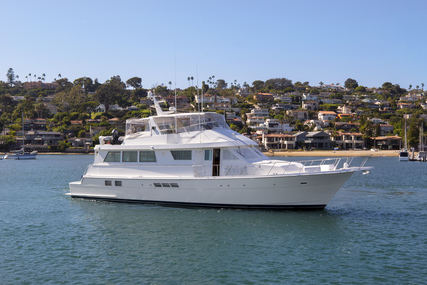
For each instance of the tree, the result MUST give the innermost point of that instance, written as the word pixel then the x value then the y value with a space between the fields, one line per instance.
pixel 10 76
pixel 134 82
pixel 413 134
pixel 387 86
pixel 350 83
pixel 221 84
pixel 63 85
pixel 278 83
pixel 377 130
pixel 360 89
pixel 258 85
pixel 84 82
pixel 41 110
pixel 110 92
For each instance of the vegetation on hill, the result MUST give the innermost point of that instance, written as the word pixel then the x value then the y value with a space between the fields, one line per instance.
pixel 78 100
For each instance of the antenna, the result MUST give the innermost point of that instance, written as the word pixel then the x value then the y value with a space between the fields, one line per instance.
pixel 176 123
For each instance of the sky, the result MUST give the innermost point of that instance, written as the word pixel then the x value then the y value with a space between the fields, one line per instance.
pixel 327 41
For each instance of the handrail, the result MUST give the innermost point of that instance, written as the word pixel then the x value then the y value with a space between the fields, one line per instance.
pixel 256 169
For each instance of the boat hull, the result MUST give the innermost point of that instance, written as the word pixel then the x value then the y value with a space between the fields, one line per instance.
pixel 20 156
pixel 311 191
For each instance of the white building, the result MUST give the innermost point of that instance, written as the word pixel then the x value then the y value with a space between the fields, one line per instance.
pixel 326 115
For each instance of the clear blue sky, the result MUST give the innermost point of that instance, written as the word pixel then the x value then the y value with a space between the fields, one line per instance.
pixel 370 41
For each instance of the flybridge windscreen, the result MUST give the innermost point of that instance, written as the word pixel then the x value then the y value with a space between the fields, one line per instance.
pixel 137 125
pixel 190 122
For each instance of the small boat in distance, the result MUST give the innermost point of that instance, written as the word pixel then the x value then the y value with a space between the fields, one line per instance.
pixel 404 153
pixel 195 159
pixel 20 154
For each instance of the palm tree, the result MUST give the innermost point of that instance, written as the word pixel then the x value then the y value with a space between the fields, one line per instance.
pixel 35 77
pixel 29 75
pixel 170 85
pixel 192 82
pixel 59 75
pixel 43 77
pixel 422 85
pixel 418 87
pixel 410 86
pixel 188 78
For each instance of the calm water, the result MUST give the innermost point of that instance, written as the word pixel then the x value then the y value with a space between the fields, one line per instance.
pixel 373 232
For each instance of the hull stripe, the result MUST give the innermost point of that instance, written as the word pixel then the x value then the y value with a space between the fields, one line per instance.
pixel 207 205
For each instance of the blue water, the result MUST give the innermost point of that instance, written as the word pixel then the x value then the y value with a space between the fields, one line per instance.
pixel 373 232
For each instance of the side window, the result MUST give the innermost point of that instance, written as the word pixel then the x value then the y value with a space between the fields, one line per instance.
pixel 208 154
pixel 112 156
pixel 228 155
pixel 130 156
pixel 147 156
pixel 181 154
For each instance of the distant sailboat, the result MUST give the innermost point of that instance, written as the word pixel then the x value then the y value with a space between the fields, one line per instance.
pixel 404 153
pixel 421 152
pixel 21 154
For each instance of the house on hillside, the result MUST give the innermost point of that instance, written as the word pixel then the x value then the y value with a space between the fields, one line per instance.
pixel 264 97
pixel 344 109
pixel 348 140
pixel 298 114
pixel 326 115
pixel 405 105
pixel 387 142
pixel 277 141
pixel 310 105
pixel 314 140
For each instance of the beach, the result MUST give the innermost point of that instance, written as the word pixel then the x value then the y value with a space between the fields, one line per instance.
pixel 333 153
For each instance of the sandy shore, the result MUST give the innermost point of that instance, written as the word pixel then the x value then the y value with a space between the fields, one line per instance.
pixel 332 153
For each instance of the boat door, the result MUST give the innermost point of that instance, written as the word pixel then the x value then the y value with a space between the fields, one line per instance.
pixel 216 162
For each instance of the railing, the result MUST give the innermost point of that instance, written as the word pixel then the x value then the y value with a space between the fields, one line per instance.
pixel 263 168
pixel 278 167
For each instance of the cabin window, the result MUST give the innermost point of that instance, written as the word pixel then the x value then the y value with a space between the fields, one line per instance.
pixel 130 156
pixel 108 183
pixel 228 155
pixel 112 156
pixel 181 154
pixel 208 154
pixel 248 153
pixel 118 183
pixel 147 156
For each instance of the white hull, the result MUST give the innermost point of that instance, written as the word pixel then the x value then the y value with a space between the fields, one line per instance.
pixel 282 191
pixel 403 155
pixel 195 159
pixel 20 156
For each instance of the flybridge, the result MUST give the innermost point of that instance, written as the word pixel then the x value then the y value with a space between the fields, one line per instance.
pixel 179 123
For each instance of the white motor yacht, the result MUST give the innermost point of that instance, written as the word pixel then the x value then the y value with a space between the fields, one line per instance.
pixel 195 159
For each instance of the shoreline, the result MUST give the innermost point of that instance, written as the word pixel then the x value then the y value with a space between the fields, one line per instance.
pixel 333 153
pixel 291 153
